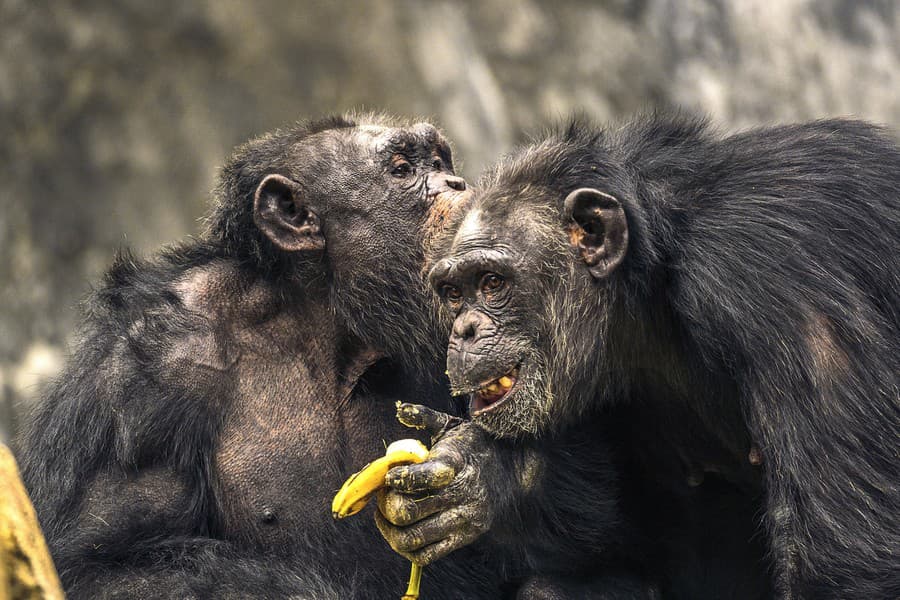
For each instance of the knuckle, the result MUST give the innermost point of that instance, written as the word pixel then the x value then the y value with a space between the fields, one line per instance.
pixel 475 519
pixel 396 546
pixel 407 541
pixel 478 526
pixel 404 515
pixel 426 556
pixel 441 475
pixel 388 532
pixel 393 537
pixel 437 551
pixel 398 509
pixel 451 454
pixel 397 476
pixel 420 558
pixel 465 480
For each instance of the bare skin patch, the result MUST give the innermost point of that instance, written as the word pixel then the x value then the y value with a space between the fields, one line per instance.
pixel 576 234
pixel 830 362
pixel 470 227
pixel 203 288
pixel 531 471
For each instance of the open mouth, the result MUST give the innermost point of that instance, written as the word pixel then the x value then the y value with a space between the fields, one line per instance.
pixel 493 393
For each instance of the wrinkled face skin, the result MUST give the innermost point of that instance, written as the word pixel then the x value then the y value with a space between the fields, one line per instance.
pixel 499 281
pixel 360 199
pixel 524 272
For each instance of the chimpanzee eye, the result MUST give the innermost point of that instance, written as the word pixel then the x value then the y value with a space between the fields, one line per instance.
pixel 491 283
pixel 437 164
pixel 451 293
pixel 402 169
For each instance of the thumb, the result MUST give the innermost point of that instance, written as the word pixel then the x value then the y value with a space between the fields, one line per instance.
pixel 421 417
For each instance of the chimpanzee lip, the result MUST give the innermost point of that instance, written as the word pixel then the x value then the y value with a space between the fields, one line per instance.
pixel 494 393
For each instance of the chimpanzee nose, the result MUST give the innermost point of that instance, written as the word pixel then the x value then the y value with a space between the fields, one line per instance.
pixel 470 326
pixel 439 183
pixel 456 183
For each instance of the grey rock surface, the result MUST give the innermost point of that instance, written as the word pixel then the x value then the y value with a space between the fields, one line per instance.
pixel 115 115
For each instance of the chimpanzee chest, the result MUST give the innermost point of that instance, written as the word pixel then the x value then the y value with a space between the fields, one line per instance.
pixel 276 456
pixel 287 444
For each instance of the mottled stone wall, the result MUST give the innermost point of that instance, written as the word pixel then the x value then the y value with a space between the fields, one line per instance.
pixel 114 115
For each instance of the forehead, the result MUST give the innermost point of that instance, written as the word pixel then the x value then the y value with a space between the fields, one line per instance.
pixel 473 233
pixel 479 231
pixel 482 241
pixel 412 138
pixel 514 226
pixel 373 144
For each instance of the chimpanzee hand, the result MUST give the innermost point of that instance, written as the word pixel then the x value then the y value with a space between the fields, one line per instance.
pixel 438 506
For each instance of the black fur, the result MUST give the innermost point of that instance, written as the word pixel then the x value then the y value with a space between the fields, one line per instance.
pixel 757 311
pixel 218 394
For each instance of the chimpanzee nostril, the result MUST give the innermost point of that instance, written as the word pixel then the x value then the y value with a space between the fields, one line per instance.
pixel 464 328
pixel 469 327
pixel 456 183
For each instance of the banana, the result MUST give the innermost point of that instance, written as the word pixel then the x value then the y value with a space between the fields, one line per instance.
pixel 362 485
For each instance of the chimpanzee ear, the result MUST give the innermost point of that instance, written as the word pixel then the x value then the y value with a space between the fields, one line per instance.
pixel 280 212
pixel 598 230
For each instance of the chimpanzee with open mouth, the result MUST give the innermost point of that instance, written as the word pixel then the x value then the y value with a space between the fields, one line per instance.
pixel 727 309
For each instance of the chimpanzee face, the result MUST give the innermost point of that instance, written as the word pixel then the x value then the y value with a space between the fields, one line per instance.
pixel 493 289
pixel 519 278
pixel 355 202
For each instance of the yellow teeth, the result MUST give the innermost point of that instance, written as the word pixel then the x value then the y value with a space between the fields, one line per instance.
pixel 359 487
pixel 501 384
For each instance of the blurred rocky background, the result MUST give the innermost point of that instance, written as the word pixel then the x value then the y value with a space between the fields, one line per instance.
pixel 115 115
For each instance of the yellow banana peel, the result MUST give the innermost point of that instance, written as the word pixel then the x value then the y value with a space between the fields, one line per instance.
pixel 362 485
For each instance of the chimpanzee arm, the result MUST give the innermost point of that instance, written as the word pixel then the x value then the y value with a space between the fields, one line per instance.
pixel 828 471
pixel 553 508
pixel 820 389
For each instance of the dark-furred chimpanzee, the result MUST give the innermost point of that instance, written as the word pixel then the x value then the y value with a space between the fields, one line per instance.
pixel 737 298
pixel 219 393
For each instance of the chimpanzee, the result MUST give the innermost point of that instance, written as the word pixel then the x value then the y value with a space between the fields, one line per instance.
pixel 219 393
pixel 737 298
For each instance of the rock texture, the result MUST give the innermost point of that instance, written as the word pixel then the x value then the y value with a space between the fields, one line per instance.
pixel 26 569
pixel 114 115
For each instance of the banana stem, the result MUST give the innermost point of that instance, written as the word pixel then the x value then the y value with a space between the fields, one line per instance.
pixel 415 578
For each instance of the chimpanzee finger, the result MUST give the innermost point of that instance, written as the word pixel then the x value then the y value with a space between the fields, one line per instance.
pixel 424 533
pixel 437 550
pixel 422 417
pixel 423 477
pixel 403 509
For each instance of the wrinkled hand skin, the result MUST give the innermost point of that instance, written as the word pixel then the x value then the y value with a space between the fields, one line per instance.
pixel 431 509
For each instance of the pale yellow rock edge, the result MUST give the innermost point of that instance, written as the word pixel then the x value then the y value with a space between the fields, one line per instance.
pixel 26 569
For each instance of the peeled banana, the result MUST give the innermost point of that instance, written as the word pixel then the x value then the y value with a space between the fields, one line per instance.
pixel 362 485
